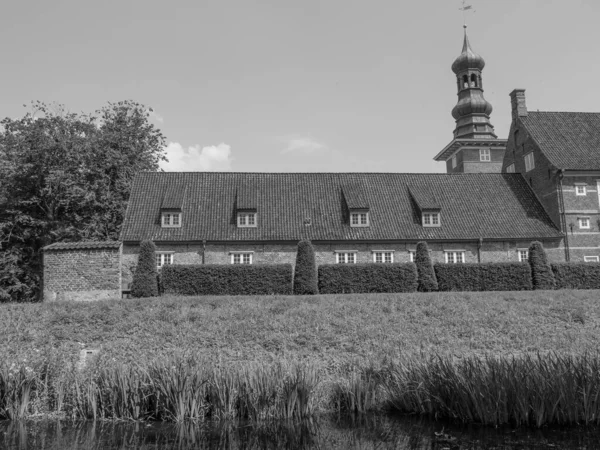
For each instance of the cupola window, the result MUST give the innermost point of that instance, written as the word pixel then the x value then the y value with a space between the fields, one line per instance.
pixel 473 80
pixel 465 81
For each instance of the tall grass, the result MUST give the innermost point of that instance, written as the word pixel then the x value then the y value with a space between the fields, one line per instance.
pixel 526 390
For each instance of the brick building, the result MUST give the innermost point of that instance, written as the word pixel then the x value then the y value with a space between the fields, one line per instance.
pixel 558 154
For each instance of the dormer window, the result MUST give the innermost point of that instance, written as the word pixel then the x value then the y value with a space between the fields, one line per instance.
pixel 431 219
pixel 359 219
pixel 171 219
pixel 246 219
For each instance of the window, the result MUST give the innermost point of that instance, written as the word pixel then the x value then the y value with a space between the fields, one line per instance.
pixel 455 257
pixel 510 168
pixel 591 259
pixel 241 258
pixel 163 258
pixel 454 161
pixel 523 255
pixel 584 222
pixel 171 219
pixel 431 219
pixel 529 162
pixel 359 219
pixel 383 256
pixel 346 257
pixel 485 155
pixel 247 219
pixel 411 255
pixel 580 189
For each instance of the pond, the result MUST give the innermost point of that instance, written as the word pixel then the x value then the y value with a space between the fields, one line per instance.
pixel 327 432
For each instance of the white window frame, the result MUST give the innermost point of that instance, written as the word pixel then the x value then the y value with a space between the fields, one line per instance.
pixel 454 162
pixel 510 168
pixel 241 257
pixel 583 189
pixel 359 219
pixel 430 219
pixel 385 256
pixel 170 220
pixel 412 255
pixel 246 219
pixel 591 259
pixel 163 259
pixel 454 256
pixel 346 257
pixel 485 155
pixel 529 161
pixel 523 254
pixel 583 220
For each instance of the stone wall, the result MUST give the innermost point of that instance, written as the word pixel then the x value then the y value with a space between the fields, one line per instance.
pixel 82 271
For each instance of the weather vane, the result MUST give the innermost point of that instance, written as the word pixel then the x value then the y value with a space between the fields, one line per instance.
pixel 465 8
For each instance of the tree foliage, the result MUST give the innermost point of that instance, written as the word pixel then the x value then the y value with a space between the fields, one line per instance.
pixel 305 273
pixel 66 177
pixel 425 272
pixel 541 271
pixel 145 277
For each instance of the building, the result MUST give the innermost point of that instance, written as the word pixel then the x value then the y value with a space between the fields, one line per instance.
pixel 558 154
pixel 478 212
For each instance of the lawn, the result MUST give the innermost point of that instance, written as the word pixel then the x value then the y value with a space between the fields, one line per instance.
pixel 322 329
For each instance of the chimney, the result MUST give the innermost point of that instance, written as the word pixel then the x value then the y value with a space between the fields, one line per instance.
pixel 517 101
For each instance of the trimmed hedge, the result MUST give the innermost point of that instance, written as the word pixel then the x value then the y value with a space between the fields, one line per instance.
pixel 145 277
pixel 305 274
pixel 238 279
pixel 541 272
pixel 426 274
pixel 576 275
pixel 369 277
pixel 484 277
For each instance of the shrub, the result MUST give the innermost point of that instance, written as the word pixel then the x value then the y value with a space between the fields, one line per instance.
pixel 483 277
pixel 425 272
pixel 541 272
pixel 238 279
pixel 577 275
pixel 145 283
pixel 305 274
pixel 363 278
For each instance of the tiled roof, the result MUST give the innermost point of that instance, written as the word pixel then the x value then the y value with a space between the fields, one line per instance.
pixel 570 140
pixel 500 206
pixel 82 245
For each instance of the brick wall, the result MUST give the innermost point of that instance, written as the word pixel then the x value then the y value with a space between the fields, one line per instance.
pixel 82 274
pixel 326 252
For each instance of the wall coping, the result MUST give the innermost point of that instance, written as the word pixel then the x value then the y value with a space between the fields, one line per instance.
pixel 84 245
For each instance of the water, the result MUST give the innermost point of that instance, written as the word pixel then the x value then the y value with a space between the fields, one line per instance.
pixel 365 432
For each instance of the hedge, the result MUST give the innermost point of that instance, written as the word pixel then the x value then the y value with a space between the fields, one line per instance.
pixel 305 274
pixel 576 275
pixel 364 278
pixel 483 277
pixel 238 279
pixel 145 277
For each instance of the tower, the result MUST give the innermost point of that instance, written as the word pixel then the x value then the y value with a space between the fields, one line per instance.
pixel 475 147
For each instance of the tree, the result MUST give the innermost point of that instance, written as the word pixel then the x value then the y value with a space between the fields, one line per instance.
pixel 66 177
pixel 541 271
pixel 145 277
pixel 425 272
pixel 305 273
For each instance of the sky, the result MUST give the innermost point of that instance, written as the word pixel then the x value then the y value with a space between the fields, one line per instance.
pixel 298 86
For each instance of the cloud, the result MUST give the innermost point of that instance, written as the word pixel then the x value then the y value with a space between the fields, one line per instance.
pixel 303 144
pixel 213 158
pixel 156 116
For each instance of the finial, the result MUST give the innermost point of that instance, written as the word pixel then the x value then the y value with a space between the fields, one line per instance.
pixel 464 8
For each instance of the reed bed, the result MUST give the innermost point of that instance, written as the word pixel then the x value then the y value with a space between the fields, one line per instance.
pixel 525 390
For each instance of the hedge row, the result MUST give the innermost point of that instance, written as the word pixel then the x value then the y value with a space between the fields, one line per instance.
pixel 483 277
pixel 577 275
pixel 239 279
pixel 364 278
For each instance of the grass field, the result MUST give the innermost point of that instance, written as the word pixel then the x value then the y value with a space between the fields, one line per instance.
pixel 300 355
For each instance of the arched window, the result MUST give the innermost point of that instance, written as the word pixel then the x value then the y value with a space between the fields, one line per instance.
pixel 473 80
pixel 465 81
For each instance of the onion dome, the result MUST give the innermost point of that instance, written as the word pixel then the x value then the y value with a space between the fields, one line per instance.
pixel 471 102
pixel 468 59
